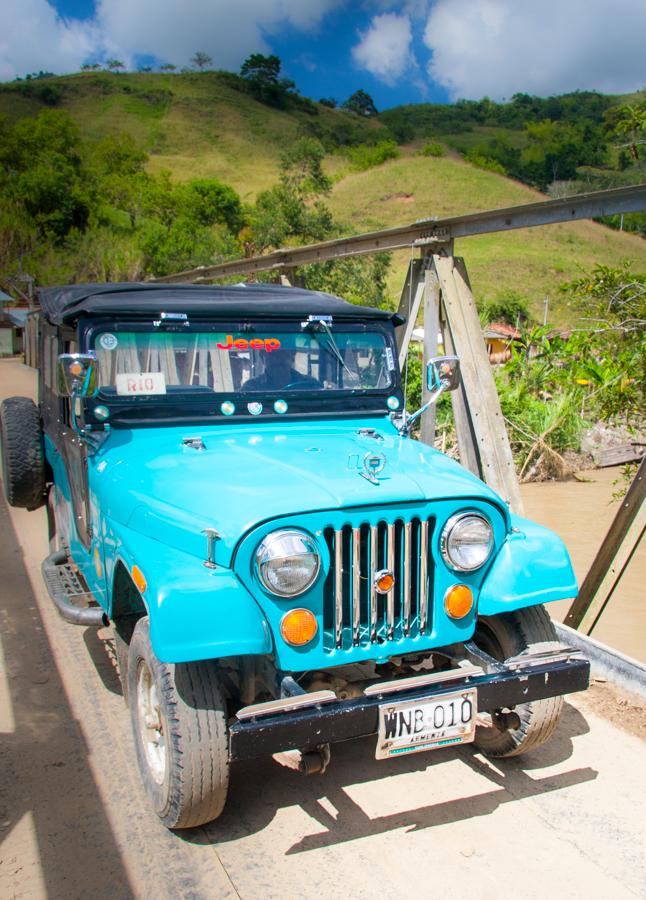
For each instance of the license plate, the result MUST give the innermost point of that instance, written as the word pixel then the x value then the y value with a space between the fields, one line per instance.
pixel 416 725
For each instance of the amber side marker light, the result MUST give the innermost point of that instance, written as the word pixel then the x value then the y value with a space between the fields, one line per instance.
pixel 458 601
pixel 384 581
pixel 298 627
pixel 76 369
pixel 138 578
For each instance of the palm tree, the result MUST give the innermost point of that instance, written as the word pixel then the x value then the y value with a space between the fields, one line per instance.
pixel 632 124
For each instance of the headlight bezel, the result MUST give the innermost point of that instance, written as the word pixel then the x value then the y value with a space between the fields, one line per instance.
pixel 448 531
pixel 268 543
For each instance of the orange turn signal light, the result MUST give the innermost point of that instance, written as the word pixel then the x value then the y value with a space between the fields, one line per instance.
pixel 458 601
pixel 384 581
pixel 298 627
pixel 76 369
pixel 139 579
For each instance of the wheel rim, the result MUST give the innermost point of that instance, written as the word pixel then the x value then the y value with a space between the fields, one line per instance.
pixel 151 723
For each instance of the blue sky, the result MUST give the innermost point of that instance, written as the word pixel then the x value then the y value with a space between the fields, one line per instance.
pixel 400 51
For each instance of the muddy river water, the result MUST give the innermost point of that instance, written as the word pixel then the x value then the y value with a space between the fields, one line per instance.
pixel 581 513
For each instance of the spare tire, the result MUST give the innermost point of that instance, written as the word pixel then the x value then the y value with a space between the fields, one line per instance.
pixel 23 453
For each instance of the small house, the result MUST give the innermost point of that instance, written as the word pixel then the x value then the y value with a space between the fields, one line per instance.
pixel 12 327
pixel 499 339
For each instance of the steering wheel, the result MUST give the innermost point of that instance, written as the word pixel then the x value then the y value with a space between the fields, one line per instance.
pixel 306 384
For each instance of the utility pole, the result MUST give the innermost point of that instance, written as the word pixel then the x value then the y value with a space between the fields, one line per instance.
pixel 546 303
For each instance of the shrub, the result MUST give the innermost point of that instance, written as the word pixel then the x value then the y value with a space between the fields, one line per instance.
pixel 485 162
pixel 508 307
pixel 433 149
pixel 366 156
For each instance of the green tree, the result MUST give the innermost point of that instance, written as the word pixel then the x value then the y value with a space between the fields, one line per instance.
pixel 361 103
pixel 43 173
pixel 201 60
pixel 553 152
pixel 301 168
pixel 168 67
pixel 262 75
pixel 631 125
pixel 209 202
pixel 359 279
pixel 292 212
pixel 114 65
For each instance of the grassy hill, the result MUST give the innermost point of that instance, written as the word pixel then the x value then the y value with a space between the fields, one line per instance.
pixel 191 124
pixel 532 261
pixel 203 125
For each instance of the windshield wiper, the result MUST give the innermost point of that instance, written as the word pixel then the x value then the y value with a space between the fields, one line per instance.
pixel 318 324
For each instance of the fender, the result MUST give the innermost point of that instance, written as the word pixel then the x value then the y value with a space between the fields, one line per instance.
pixel 195 612
pixel 531 567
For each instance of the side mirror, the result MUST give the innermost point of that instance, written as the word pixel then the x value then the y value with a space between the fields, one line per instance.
pixel 443 373
pixel 77 375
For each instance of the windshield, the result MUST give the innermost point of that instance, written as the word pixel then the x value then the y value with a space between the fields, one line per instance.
pixel 264 359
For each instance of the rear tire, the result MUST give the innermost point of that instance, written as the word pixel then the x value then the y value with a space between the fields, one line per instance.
pixel 23 453
pixel 179 725
pixel 523 631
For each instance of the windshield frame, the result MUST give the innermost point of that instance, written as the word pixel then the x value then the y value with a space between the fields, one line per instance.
pixel 183 403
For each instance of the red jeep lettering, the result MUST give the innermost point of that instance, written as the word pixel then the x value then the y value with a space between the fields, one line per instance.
pixel 267 344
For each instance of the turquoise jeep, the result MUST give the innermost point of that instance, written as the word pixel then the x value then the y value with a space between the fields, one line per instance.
pixel 232 485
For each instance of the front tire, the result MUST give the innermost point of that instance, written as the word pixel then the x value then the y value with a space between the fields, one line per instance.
pixel 523 631
pixel 178 718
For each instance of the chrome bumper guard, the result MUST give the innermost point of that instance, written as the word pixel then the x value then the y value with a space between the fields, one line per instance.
pixel 308 720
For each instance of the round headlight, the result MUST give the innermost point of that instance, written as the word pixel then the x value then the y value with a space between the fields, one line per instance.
pixel 287 562
pixel 467 542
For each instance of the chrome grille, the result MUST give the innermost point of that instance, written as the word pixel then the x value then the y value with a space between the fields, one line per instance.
pixel 355 612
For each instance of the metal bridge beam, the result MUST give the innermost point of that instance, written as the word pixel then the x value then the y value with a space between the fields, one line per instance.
pixel 429 231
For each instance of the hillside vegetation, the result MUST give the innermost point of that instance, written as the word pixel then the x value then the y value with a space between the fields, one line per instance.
pixel 192 124
pixel 204 126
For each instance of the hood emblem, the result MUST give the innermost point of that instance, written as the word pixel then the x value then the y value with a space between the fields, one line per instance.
pixel 373 465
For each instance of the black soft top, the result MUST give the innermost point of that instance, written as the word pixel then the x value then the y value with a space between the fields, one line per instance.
pixel 240 301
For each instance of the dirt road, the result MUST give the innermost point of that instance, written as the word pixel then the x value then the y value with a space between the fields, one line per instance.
pixel 74 822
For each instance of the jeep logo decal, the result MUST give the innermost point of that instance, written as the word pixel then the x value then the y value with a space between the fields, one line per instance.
pixel 267 344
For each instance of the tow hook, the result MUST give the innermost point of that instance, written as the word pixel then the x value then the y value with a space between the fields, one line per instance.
pixel 307 762
pixel 505 721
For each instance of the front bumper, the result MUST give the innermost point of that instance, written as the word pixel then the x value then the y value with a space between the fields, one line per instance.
pixel 263 730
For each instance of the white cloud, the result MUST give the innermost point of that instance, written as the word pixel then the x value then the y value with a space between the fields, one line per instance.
pixel 385 49
pixel 228 30
pixel 33 36
pixel 500 47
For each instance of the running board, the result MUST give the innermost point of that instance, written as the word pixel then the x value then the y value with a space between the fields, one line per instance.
pixel 64 587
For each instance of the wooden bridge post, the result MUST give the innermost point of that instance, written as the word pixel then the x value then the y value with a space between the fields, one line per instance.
pixel 616 551
pixel 444 288
pixel 432 302
pixel 487 426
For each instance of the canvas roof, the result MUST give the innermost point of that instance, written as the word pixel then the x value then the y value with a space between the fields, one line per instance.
pixel 241 301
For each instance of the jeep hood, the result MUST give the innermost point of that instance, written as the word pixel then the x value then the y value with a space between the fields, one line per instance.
pixel 153 481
